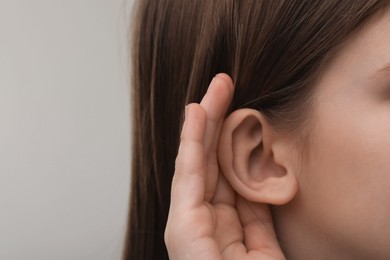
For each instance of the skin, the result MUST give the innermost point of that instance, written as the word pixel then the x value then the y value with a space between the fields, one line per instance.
pixel 332 203
pixel 343 206
pixel 199 227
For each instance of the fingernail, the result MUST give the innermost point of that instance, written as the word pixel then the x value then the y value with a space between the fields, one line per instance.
pixel 223 76
pixel 212 80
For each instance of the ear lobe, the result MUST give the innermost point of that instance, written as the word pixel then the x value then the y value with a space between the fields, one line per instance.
pixel 255 159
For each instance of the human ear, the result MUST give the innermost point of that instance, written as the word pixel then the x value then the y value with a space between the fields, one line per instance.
pixel 258 162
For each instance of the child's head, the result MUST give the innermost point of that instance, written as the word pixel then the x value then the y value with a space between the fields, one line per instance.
pixel 309 118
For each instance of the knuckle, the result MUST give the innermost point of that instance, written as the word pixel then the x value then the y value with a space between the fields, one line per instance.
pixel 166 237
pixel 167 233
pixel 183 167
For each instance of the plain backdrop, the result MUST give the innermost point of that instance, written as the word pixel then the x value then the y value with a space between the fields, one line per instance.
pixel 64 129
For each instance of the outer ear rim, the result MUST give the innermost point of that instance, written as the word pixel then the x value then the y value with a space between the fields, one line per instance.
pixel 272 190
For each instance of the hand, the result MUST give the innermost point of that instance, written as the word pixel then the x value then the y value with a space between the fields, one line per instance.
pixel 207 219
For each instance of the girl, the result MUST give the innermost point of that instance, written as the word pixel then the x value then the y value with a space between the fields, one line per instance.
pixel 285 155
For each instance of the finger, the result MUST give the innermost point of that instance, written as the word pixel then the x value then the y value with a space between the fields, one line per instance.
pixel 215 102
pixel 257 224
pixel 224 193
pixel 228 227
pixel 188 184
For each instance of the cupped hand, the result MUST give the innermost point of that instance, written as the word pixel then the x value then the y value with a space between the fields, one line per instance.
pixel 207 219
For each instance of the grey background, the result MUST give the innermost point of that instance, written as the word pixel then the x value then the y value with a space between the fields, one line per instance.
pixel 64 128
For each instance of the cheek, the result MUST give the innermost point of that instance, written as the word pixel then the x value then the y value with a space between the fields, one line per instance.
pixel 346 178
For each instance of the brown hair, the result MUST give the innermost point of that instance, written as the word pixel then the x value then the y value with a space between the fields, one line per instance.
pixel 273 50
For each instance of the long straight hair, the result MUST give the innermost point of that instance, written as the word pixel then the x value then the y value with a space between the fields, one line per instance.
pixel 273 49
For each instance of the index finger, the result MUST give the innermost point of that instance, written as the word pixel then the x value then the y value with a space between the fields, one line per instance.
pixel 216 102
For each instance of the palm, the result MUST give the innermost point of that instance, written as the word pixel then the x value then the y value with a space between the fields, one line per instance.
pixel 207 219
